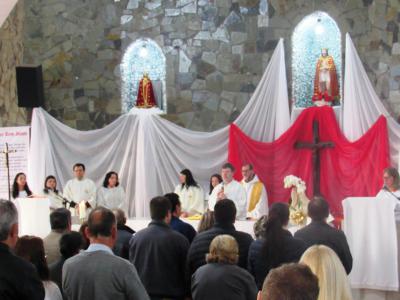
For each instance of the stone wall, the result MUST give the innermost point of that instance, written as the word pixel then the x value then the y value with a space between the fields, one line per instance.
pixel 11 53
pixel 216 51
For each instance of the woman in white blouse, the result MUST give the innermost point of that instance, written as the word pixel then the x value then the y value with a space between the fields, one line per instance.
pixel 51 191
pixel 20 188
pixel 111 195
pixel 190 194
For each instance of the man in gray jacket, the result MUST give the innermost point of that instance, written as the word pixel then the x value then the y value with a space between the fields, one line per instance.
pixel 97 273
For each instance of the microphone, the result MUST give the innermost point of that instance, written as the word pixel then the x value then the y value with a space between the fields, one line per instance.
pixel 64 200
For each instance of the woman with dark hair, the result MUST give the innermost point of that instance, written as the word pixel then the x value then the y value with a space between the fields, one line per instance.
pixel 391 188
pixel 215 179
pixel 111 195
pixel 190 194
pixel 276 246
pixel 20 188
pixel 31 249
pixel 51 191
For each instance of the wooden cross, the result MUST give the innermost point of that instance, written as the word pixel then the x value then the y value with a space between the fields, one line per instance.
pixel 315 147
pixel 6 152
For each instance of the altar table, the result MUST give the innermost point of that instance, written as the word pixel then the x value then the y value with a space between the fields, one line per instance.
pixel 370 227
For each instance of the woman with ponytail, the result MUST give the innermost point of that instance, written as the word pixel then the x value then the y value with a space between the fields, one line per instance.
pixel 276 247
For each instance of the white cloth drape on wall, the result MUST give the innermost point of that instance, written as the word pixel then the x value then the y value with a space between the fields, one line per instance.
pixel 147 151
pixel 361 105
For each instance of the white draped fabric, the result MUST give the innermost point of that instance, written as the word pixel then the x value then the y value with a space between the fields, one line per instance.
pixel 267 116
pixel 147 151
pixel 361 105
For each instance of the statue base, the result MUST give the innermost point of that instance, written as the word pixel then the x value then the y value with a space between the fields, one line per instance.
pixel 322 102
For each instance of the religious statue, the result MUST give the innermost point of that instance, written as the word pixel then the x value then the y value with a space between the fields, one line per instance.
pixel 298 203
pixel 145 97
pixel 326 88
pixel 298 209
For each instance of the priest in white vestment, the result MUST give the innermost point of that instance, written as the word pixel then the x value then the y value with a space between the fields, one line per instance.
pixel 82 191
pixel 229 189
pixel 391 189
pixel 256 194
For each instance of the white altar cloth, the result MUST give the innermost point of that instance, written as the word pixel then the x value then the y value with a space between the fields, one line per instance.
pixel 370 228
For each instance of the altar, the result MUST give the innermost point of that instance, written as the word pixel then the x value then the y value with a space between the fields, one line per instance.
pixel 374 240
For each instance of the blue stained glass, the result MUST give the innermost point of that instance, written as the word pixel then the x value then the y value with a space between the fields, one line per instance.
pixel 142 56
pixel 314 32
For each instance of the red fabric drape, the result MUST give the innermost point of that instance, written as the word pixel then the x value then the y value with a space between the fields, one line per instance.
pixel 348 169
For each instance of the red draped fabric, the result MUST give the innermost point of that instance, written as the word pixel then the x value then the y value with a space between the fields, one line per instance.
pixel 347 169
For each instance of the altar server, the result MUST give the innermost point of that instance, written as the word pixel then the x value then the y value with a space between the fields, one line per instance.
pixel 190 194
pixel 111 195
pixel 82 191
pixel 256 194
pixel 229 189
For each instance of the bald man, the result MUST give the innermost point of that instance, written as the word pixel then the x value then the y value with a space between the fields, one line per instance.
pixel 97 273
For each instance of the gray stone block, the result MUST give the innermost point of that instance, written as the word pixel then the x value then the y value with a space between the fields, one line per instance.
pixel 214 82
pixel 204 69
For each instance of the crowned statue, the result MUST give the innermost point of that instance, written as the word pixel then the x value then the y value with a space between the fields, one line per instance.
pixel 326 88
pixel 145 97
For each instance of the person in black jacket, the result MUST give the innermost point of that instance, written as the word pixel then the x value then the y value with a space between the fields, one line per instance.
pixel 225 215
pixel 159 254
pixel 124 235
pixel 221 278
pixel 177 224
pixel 70 244
pixel 276 247
pixel 19 279
pixel 318 232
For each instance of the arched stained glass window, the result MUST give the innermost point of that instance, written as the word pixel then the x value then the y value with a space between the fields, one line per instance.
pixel 143 56
pixel 315 32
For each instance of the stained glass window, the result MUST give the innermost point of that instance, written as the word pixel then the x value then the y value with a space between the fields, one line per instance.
pixel 314 32
pixel 142 56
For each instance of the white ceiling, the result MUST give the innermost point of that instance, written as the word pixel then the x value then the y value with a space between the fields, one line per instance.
pixel 5 8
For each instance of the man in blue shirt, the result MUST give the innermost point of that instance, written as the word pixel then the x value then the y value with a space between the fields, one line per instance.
pixel 177 224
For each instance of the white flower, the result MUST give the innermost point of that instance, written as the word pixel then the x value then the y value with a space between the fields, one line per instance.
pixel 293 181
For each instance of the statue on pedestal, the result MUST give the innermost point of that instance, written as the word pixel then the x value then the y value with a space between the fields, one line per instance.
pixel 145 97
pixel 298 203
pixel 326 87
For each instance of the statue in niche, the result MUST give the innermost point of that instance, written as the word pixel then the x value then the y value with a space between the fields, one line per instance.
pixel 326 87
pixel 145 97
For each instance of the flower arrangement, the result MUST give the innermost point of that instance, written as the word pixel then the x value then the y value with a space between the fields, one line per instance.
pixel 293 181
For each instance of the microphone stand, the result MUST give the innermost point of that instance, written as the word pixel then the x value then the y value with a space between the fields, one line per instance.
pixel 64 200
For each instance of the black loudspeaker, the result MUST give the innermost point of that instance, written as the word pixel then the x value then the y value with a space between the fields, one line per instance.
pixel 30 86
